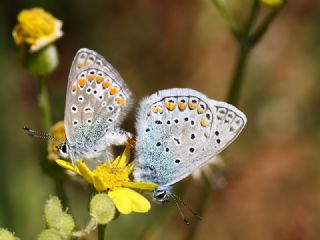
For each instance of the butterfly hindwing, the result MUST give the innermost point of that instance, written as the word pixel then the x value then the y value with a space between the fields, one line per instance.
pixel 97 100
pixel 178 130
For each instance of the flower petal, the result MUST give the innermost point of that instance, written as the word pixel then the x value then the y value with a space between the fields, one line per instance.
pixel 140 185
pixel 127 201
pixel 125 157
pixel 85 171
pixel 99 184
pixel 66 165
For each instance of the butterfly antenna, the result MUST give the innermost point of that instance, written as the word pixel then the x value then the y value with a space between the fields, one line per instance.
pixel 179 209
pixel 186 206
pixel 41 135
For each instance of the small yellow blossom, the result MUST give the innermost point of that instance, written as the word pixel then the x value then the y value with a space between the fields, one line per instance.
pixel 272 3
pixel 57 131
pixel 36 28
pixel 113 177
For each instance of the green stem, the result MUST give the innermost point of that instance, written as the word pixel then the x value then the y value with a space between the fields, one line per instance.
pixel 222 8
pixel 44 105
pixel 246 43
pixel 264 26
pixel 238 75
pixel 204 197
pixel 101 231
pixel 48 167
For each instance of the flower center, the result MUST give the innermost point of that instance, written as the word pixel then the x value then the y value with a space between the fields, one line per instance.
pixel 112 176
pixel 35 23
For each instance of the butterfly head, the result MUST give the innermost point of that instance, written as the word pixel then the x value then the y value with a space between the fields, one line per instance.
pixel 162 194
pixel 64 150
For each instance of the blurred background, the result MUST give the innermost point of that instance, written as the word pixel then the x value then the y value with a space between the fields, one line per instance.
pixel 272 171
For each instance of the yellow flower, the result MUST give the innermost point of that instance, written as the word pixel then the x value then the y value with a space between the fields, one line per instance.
pixel 113 177
pixel 272 3
pixel 58 132
pixel 36 28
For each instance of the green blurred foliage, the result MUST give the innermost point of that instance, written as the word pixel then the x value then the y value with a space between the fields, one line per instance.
pixel 273 169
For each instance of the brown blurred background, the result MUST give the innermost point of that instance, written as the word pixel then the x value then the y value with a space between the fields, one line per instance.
pixel 272 170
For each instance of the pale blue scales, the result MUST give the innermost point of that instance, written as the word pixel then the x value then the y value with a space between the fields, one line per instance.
pixel 97 100
pixel 179 130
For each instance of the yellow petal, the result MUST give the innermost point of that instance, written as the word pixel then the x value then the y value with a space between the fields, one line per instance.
pixel 115 162
pixel 85 171
pixel 125 156
pixel 127 201
pixel 66 165
pixel 140 185
pixel 99 184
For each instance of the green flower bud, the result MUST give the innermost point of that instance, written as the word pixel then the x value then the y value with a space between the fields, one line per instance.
pixel 50 234
pixel 102 208
pixel 56 218
pixel 5 234
pixel 52 210
pixel 39 63
pixel 272 3
pixel 65 224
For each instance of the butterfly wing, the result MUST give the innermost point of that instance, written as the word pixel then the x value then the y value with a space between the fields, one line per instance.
pixel 97 100
pixel 178 130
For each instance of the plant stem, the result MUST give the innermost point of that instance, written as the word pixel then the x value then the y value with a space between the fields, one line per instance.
pixel 48 167
pixel 101 231
pixel 44 105
pixel 238 75
pixel 247 42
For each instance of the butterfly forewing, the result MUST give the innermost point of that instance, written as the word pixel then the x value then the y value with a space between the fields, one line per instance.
pixel 97 99
pixel 178 130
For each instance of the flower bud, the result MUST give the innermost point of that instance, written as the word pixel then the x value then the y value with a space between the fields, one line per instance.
pixel 5 234
pixel 52 210
pixel 65 224
pixel 56 218
pixel 40 63
pixel 50 234
pixel 102 208
pixel 272 3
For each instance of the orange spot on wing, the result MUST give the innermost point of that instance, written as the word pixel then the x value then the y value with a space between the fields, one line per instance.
pixel 200 110
pixel 204 122
pixel 182 106
pixel 74 88
pixel 206 133
pixel 192 105
pixel 88 63
pixel 82 82
pixel 119 100
pixel 99 79
pixel 160 110
pixel 91 77
pixel 80 65
pixel 106 84
pixel 113 90
pixel 154 109
pixel 170 106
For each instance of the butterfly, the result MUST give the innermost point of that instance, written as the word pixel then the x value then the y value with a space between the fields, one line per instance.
pixel 97 100
pixel 178 131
